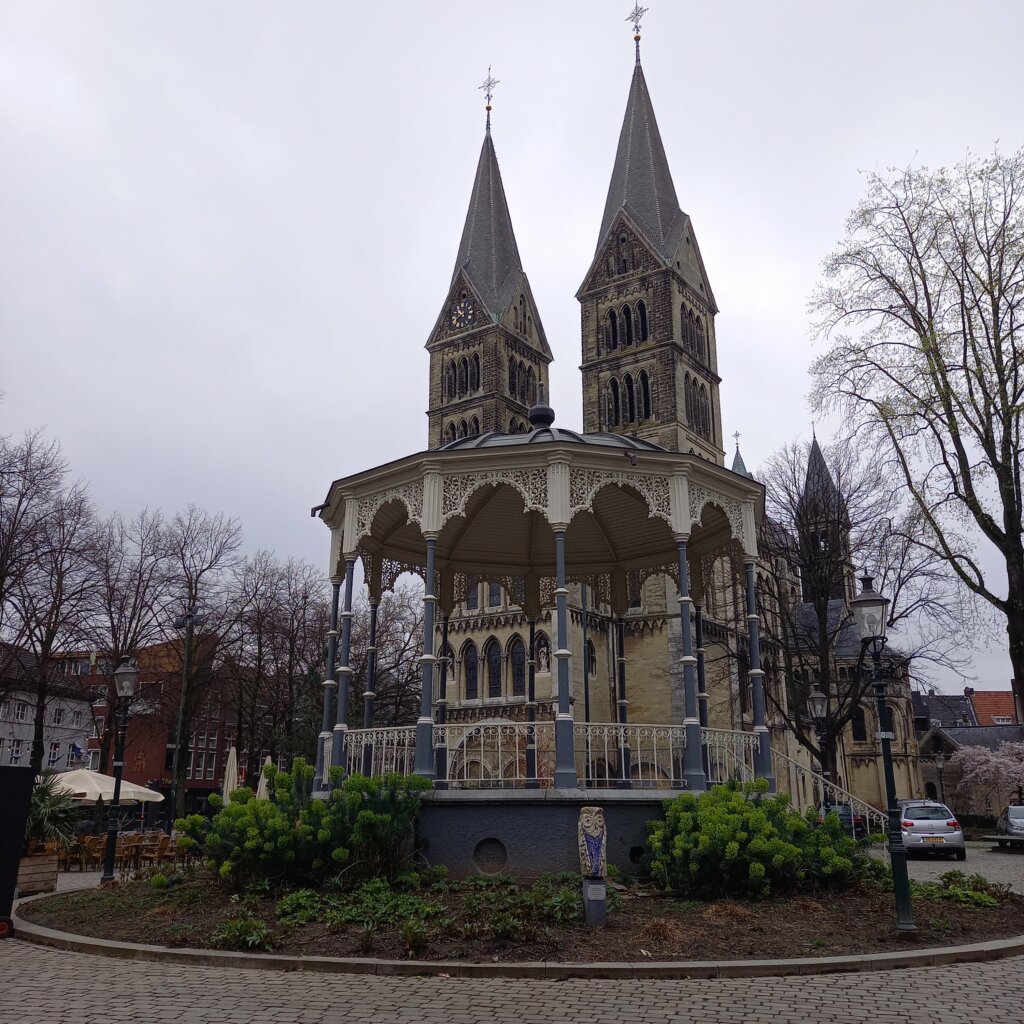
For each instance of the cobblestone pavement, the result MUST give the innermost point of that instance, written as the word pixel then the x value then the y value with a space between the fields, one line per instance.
pixel 48 986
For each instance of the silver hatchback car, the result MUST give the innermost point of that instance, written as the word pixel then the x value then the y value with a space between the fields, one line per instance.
pixel 931 827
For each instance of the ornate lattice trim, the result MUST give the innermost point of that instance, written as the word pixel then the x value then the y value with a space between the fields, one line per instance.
pixel 730 507
pixel 532 485
pixel 410 495
pixel 584 485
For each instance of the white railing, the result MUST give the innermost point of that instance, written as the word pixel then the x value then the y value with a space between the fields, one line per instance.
pixel 801 778
pixel 495 754
pixel 729 755
pixel 378 751
pixel 648 756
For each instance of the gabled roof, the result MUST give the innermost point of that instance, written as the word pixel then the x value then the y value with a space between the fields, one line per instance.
pixel 641 182
pixel 949 710
pixel 488 254
pixel 989 736
pixel 991 704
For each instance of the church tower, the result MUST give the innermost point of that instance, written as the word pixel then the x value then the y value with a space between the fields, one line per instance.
pixel 823 533
pixel 487 350
pixel 650 363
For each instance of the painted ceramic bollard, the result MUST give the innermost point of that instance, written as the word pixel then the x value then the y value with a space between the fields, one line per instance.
pixel 593 836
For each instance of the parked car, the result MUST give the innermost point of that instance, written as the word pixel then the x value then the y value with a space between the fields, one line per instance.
pixel 931 827
pixel 851 820
pixel 1010 823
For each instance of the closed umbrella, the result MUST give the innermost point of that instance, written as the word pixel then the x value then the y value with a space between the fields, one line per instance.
pixel 230 775
pixel 87 787
pixel 263 789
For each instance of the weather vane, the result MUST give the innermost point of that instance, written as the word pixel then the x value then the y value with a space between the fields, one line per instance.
pixel 489 83
pixel 635 16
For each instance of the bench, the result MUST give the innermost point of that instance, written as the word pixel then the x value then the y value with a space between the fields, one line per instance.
pixel 1005 840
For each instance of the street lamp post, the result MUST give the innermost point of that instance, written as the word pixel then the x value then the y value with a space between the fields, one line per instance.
pixel 940 770
pixel 126 678
pixel 817 706
pixel 187 622
pixel 869 612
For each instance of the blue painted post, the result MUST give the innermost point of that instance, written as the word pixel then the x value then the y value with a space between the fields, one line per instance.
pixel 425 723
pixel 763 756
pixel 369 693
pixel 565 756
pixel 330 686
pixel 694 777
pixel 338 743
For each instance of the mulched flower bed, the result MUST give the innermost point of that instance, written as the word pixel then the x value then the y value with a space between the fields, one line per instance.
pixel 483 921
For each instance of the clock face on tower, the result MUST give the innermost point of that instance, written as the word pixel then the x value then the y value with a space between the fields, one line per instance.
pixel 462 313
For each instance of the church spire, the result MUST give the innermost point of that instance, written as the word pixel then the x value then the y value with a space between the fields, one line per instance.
pixel 641 183
pixel 488 254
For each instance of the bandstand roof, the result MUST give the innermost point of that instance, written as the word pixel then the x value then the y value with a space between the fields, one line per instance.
pixel 494 501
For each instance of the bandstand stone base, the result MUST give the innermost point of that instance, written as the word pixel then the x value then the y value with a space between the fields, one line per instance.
pixel 527 832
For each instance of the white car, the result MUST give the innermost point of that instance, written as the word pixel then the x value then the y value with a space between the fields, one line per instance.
pixel 931 827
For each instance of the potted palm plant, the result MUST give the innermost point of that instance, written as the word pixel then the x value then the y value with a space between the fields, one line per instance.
pixel 52 818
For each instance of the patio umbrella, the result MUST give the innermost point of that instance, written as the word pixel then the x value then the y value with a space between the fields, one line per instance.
pixel 87 787
pixel 263 789
pixel 230 775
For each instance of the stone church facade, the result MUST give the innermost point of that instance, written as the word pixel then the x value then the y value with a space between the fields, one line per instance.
pixel 649 364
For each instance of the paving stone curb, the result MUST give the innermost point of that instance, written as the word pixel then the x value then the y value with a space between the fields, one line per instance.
pixel 978 951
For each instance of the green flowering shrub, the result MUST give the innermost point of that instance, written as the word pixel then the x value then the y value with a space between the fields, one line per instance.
pixel 364 826
pixel 739 841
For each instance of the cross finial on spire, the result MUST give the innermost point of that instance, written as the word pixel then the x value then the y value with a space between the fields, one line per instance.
pixel 737 435
pixel 636 16
pixel 488 86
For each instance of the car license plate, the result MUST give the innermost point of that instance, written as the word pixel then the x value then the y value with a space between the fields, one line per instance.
pixel 934 839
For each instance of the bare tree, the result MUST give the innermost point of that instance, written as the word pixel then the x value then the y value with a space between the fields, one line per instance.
pixel 31 474
pixel 827 512
pixel 130 602
pixel 929 283
pixel 54 589
pixel 202 551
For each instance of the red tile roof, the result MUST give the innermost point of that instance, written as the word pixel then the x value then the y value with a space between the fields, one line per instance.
pixel 992 704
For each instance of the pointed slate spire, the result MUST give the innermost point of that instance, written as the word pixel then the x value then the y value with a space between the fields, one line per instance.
pixel 820 495
pixel 739 466
pixel 641 182
pixel 488 254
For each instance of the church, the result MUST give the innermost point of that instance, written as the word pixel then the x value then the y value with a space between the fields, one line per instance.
pixel 498 656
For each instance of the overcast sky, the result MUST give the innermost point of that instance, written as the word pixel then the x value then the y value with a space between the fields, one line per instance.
pixel 226 228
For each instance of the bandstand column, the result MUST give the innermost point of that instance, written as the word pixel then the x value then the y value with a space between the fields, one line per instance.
pixel 371 683
pixel 763 755
pixel 702 688
pixel 441 750
pixel 531 710
pixel 323 759
pixel 694 776
pixel 338 741
pixel 565 758
pixel 425 723
pixel 625 772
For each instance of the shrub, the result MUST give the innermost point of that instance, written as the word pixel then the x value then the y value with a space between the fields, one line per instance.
pixel 739 841
pixel 364 826
pixel 158 881
pixel 244 932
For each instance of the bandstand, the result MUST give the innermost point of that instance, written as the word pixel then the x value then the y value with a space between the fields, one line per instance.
pixel 538 512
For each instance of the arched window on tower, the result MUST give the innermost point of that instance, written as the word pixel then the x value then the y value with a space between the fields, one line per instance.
pixel 450 381
pixel 645 395
pixel 517 655
pixel 688 399
pixel 513 377
pixel 492 655
pixel 613 329
pixel 624 255
pixel 627 383
pixel 627 325
pixel 531 389
pixel 699 344
pixel 463 376
pixel 860 725
pixel 522 382
pixel 522 314
pixel 450 433
pixel 613 403
pixel 474 426
pixel 515 317
pixel 474 373
pixel 493 595
pixel 463 428
pixel 470 671
pixel 641 316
